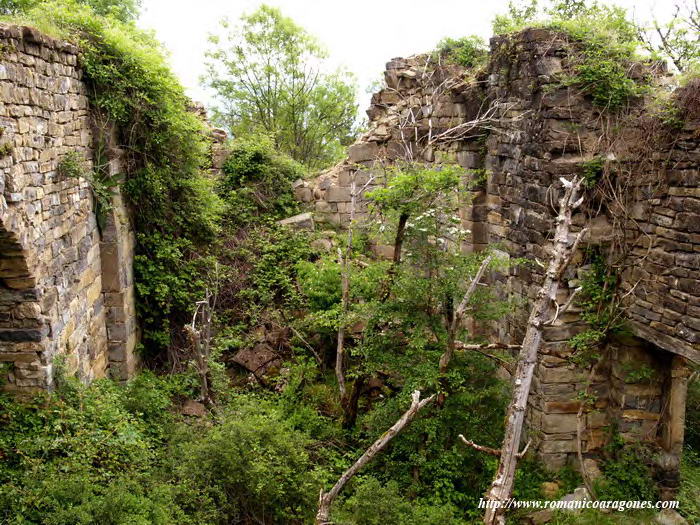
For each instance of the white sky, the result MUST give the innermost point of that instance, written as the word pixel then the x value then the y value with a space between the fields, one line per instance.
pixel 360 35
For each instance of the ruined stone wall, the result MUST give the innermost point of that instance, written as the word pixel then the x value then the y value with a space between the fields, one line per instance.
pixel 539 130
pixel 640 217
pixel 65 290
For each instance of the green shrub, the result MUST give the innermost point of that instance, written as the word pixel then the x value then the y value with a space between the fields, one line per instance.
pixel 626 474
pixel 253 465
pixel 258 181
pixel 372 503
pixel 272 253
pixel 6 149
pixel 607 39
pixel 520 15
pixel 86 455
pixel 600 308
pixel 123 10
pixel 115 454
pixel 592 171
pixel 428 460
pixel 692 417
pixel 689 493
pixel 468 51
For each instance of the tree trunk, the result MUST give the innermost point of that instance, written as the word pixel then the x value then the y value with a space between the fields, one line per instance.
pixel 326 498
pixel 396 259
pixel 398 240
pixel 562 250
pixel 352 402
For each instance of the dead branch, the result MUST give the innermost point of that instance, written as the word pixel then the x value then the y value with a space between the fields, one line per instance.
pixel 482 349
pixel 308 345
pixel 561 254
pixel 562 309
pixel 326 498
pixel 482 121
pixel 458 316
pixel 481 448
pixel 492 451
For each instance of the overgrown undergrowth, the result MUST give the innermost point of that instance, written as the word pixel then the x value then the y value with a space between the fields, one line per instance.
pixel 126 454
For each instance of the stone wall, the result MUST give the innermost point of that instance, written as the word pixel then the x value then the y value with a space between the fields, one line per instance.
pixel 534 131
pixel 66 289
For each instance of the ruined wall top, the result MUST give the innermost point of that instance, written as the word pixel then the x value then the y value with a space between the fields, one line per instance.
pixel 517 127
pixel 519 124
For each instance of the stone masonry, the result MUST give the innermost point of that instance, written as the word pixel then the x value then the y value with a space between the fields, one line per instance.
pixel 66 289
pixel 533 131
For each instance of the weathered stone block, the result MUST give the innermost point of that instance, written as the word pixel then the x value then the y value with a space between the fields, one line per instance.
pixel 338 194
pixel 559 423
pixel 303 221
pixel 363 151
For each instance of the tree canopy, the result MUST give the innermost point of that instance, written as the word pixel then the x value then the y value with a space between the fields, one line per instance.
pixel 268 75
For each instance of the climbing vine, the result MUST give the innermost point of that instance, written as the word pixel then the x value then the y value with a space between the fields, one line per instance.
pixel 599 305
pixel 102 183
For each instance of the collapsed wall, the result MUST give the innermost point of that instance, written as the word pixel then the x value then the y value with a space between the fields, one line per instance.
pixel 521 127
pixel 66 288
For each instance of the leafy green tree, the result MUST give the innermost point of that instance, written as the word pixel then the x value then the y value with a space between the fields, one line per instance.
pixel 679 38
pixel 123 10
pixel 268 77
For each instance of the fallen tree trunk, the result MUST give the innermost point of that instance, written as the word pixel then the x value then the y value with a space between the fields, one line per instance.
pixel 326 498
pixel 562 251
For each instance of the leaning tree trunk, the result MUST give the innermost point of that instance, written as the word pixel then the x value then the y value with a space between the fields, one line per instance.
pixel 458 316
pixel 562 250
pixel 326 498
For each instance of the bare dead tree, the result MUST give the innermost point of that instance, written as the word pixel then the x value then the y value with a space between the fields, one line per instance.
pixel 562 250
pixel 199 333
pixel 326 498
pixel 200 339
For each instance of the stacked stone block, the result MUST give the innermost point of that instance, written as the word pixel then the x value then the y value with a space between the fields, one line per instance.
pixel 540 131
pixel 52 270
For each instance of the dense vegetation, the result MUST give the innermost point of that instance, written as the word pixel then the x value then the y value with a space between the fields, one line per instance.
pixel 268 441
